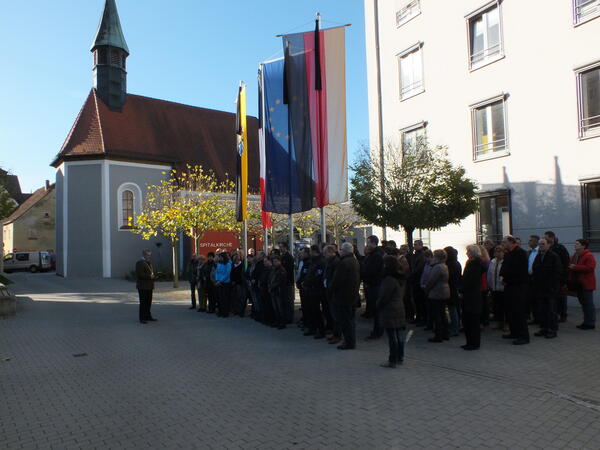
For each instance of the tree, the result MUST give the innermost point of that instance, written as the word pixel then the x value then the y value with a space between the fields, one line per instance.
pixel 422 189
pixel 189 202
pixel 340 218
pixel 7 203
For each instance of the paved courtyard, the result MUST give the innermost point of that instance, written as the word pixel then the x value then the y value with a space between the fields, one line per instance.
pixel 78 371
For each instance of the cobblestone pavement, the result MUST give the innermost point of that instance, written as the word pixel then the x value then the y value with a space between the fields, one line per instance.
pixel 192 380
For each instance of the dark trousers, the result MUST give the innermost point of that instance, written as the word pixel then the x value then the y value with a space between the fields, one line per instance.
pixel 472 327
pixel 238 299
pixel 420 303
pixel 336 326
pixel 193 292
pixel 326 309
pixel 213 297
pixel 304 305
pixel 345 316
pixel 290 298
pixel 202 296
pixel 561 305
pixel 224 299
pixel 517 309
pixel 409 305
pixel 313 316
pixel 145 304
pixel 429 306
pixel 279 300
pixel 548 316
pixel 440 320
pixel 268 315
pixel 372 294
pixel 485 305
pixel 498 306
pixel 396 344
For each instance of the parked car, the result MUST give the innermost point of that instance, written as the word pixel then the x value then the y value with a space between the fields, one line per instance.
pixel 32 261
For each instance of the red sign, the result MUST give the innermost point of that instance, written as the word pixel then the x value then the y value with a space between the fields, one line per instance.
pixel 217 240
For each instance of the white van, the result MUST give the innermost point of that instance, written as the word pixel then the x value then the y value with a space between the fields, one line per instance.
pixel 32 261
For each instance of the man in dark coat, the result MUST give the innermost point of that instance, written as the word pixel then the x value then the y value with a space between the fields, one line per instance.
pixel 192 273
pixel 331 261
pixel 515 275
pixel 563 255
pixel 207 282
pixel 315 291
pixel 144 273
pixel 277 286
pixel 472 305
pixel 547 272
pixel 345 285
pixel 417 265
pixel 372 276
pixel 287 261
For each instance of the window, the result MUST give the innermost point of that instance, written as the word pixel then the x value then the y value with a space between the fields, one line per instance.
pixel 8 257
pixel 591 213
pixel 411 71
pixel 407 12
pixel 485 35
pixel 424 236
pixel 489 128
pixel 115 57
pixel 22 256
pixel 102 55
pixel 413 137
pixel 588 85
pixel 494 217
pixel 585 10
pixel 128 213
pixel 129 198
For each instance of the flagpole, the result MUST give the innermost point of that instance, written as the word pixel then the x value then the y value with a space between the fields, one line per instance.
pixel 323 226
pixel 245 241
pixel 291 234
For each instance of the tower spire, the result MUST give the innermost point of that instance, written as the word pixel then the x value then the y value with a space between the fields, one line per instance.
pixel 110 54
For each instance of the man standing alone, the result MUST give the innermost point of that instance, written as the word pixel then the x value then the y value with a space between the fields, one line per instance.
pixel 145 285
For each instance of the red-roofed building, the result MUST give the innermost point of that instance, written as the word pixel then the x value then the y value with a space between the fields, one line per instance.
pixel 119 144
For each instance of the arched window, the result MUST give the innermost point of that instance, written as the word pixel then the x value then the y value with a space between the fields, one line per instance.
pixel 129 205
pixel 127 216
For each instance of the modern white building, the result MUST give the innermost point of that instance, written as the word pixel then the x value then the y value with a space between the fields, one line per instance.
pixel 513 89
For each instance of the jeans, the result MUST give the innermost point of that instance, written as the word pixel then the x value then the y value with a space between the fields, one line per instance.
pixel 396 343
pixel 454 320
pixel 586 299
pixel 345 316
pixel 336 327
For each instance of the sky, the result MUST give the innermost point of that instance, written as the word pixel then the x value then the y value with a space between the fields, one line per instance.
pixel 187 51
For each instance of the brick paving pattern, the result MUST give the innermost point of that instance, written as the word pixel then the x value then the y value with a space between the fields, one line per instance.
pixel 192 380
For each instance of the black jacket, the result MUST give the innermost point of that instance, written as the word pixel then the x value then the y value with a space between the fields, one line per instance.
pixel 303 272
pixel 277 281
pixel 346 281
pixel 547 274
pixel 417 264
pixel 563 256
pixel 372 267
pixel 313 281
pixel 454 279
pixel 330 266
pixel 237 274
pixel 470 286
pixel 515 268
pixel 287 261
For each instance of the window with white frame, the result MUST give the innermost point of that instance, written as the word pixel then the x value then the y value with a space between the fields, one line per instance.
pixel 588 84
pixel 489 128
pixel 585 10
pixel 407 11
pixel 129 198
pixel 411 71
pixel 413 137
pixel 485 35
pixel 494 216
pixel 591 213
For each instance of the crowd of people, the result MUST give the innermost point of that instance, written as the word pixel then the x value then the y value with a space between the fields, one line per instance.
pixel 502 284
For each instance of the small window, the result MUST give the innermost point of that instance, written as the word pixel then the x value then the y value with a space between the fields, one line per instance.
pixel 115 57
pixel 591 213
pixel 123 59
pixel 489 129
pixel 485 36
pixel 407 12
pixel 102 55
pixel 411 72
pixel 128 210
pixel 494 217
pixel 414 138
pixel 22 256
pixel 585 10
pixel 588 83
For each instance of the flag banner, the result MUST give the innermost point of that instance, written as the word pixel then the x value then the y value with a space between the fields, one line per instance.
pixel 265 216
pixel 286 173
pixel 315 93
pixel 241 181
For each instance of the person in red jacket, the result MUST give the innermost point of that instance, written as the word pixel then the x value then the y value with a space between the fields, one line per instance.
pixel 582 277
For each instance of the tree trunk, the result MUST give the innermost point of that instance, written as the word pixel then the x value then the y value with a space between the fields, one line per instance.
pixel 409 237
pixel 175 253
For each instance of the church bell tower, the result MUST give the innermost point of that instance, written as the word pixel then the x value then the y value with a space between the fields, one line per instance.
pixel 110 54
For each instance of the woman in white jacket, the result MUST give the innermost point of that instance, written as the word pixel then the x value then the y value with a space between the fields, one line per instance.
pixel 496 286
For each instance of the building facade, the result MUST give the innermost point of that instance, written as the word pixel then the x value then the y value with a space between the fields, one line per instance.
pixel 513 89
pixel 32 226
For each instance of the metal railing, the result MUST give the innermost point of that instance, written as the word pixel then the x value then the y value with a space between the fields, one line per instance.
pixel 490 147
pixel 486 53
pixel 588 8
pixel 408 12
pixel 412 88
pixel 590 125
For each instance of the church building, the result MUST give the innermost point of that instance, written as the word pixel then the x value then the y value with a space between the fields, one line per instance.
pixel 119 145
